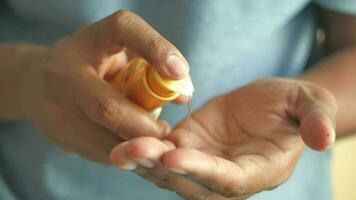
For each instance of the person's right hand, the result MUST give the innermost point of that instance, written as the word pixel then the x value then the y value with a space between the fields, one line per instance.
pixel 69 97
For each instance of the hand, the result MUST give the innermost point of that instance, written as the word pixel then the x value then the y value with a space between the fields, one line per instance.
pixel 240 143
pixel 69 97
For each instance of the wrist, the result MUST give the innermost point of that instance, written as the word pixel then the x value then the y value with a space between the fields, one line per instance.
pixel 15 60
pixel 33 59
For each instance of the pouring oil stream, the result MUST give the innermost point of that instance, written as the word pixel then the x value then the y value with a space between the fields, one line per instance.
pixel 189 111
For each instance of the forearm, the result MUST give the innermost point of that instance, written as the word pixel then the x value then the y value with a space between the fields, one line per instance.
pixel 337 73
pixel 15 60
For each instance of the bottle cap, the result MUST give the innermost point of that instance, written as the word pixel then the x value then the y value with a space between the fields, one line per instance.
pixel 140 83
pixel 183 86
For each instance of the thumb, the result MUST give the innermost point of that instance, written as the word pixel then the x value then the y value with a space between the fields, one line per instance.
pixel 317 129
pixel 128 30
pixel 316 110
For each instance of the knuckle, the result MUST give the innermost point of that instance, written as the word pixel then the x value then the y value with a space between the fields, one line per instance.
pixel 189 196
pixel 232 190
pixel 155 44
pixel 324 95
pixel 317 93
pixel 166 181
pixel 104 110
pixel 319 96
pixel 124 18
pixel 196 195
pixel 320 93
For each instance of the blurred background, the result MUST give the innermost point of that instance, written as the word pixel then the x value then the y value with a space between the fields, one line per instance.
pixel 344 169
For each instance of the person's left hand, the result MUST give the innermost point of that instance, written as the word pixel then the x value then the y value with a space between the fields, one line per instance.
pixel 239 144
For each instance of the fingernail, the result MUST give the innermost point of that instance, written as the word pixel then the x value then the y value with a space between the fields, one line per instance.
pixel 168 130
pixel 145 163
pixel 166 126
pixel 178 171
pixel 129 166
pixel 332 135
pixel 176 65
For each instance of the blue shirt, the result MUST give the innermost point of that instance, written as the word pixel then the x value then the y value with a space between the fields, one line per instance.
pixel 227 43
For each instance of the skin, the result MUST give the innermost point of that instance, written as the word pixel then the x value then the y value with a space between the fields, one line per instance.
pixel 250 140
pixel 241 143
pixel 65 90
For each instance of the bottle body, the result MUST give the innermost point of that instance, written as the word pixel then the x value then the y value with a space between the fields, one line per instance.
pixel 140 83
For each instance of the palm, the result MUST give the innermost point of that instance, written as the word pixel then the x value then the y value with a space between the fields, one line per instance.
pixel 246 129
pixel 240 143
pixel 241 123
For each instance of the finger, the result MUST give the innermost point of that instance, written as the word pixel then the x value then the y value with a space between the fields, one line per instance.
pixel 126 29
pixel 104 105
pixel 220 175
pixel 317 129
pixel 144 155
pixel 118 157
pixel 183 186
pixel 112 66
pixel 145 151
pixel 316 110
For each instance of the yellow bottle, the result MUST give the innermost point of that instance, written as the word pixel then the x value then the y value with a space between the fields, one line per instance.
pixel 140 83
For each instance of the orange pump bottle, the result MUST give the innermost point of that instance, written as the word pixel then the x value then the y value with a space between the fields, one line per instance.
pixel 140 83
